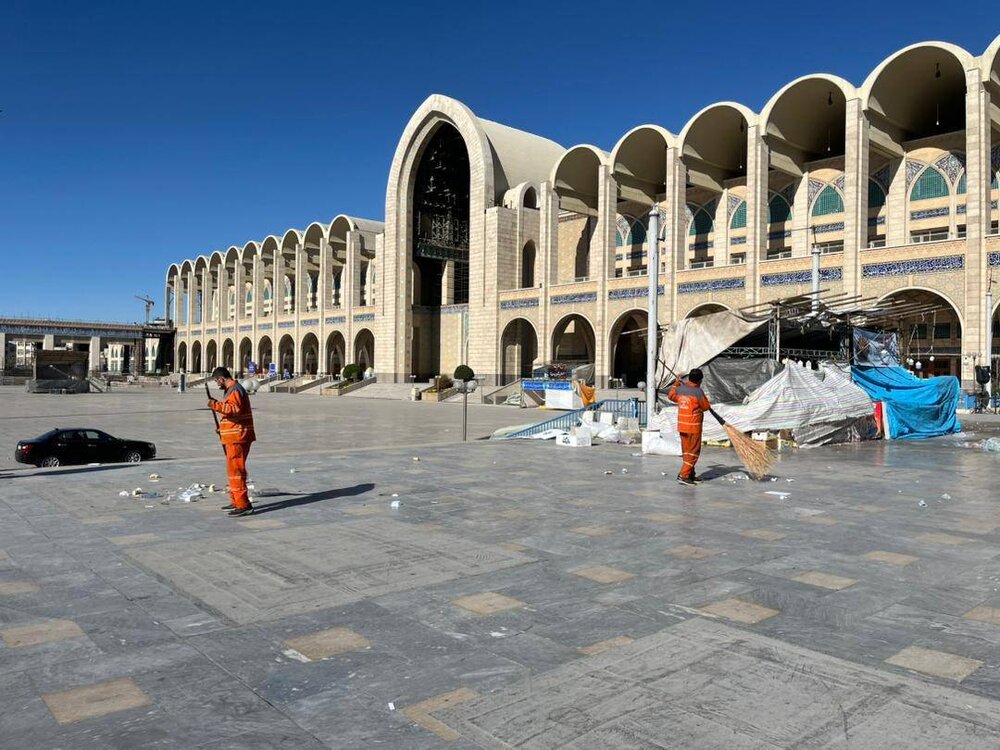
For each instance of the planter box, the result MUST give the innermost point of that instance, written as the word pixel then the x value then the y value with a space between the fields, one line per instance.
pixel 339 389
pixel 429 395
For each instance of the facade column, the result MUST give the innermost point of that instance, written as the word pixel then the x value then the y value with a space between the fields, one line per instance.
pixel 602 266
pixel 895 205
pixel 323 303
pixel 206 299
pixel 94 364
pixel 3 352
pixel 758 158
pixel 48 342
pixel 192 298
pixel 855 195
pixel 976 335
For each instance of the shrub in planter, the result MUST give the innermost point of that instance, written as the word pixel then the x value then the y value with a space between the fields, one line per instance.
pixel 351 373
pixel 464 373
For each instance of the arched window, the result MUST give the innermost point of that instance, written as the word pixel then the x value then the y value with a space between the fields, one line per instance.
pixel 638 233
pixel 876 195
pixel 267 291
pixel 828 202
pixel 778 210
pixel 528 265
pixel 996 182
pixel 739 217
pixel 619 240
pixel 930 184
pixel 701 223
pixel 961 186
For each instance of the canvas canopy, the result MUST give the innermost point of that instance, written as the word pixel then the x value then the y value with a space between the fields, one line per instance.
pixel 915 407
pixel 692 342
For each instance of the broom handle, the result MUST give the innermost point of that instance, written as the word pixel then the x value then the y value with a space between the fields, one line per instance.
pixel 215 416
pixel 719 419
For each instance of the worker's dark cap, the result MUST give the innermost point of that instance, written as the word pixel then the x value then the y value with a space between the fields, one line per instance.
pixel 696 375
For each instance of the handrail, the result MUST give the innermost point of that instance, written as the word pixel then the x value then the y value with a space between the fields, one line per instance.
pixel 620 407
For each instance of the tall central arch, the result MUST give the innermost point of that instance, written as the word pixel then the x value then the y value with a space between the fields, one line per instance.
pixel 440 244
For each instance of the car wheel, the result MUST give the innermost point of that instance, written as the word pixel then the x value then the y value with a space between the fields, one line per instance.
pixel 133 457
pixel 49 461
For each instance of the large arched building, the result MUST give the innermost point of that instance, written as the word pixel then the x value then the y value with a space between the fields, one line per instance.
pixel 502 249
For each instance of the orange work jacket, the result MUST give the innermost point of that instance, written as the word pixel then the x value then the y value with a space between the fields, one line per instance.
pixel 691 406
pixel 236 424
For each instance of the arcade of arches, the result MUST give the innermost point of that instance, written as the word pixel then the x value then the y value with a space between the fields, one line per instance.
pixel 506 251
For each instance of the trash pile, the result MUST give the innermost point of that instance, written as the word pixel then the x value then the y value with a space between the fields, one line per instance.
pixel 190 494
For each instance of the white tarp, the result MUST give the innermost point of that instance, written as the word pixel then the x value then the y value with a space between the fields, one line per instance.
pixel 692 342
pixel 793 398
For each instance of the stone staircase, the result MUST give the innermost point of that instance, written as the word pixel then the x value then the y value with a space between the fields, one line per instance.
pixel 390 391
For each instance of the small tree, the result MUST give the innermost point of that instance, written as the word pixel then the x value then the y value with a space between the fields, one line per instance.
pixel 464 373
pixel 351 372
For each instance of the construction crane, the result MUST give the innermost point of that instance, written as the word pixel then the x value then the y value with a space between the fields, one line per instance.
pixel 148 303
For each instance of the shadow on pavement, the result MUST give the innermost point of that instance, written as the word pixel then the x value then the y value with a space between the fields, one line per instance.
pixel 62 472
pixel 316 497
pixel 717 472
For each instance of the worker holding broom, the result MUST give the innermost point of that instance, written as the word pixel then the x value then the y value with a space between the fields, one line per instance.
pixel 236 432
pixel 691 407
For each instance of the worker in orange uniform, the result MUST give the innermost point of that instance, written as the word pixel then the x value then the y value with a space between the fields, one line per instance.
pixel 691 407
pixel 236 433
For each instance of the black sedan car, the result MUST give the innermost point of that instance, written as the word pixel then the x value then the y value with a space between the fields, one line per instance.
pixel 80 445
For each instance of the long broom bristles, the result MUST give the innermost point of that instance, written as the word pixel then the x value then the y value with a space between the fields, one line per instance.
pixel 756 457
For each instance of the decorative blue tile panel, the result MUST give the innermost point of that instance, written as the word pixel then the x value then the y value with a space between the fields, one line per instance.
pixel 779 235
pixel 994 259
pixel 814 187
pixel 266 325
pixel 788 192
pixel 196 332
pixel 286 324
pixel 310 322
pixel 882 178
pixel 333 320
pixel 929 213
pixel 701 245
pixel 632 293
pixel 840 183
pixel 906 267
pixel 453 309
pixel 913 168
pixel 960 209
pixel 574 299
pixel 952 165
pixel 518 304
pixel 876 221
pixel 715 285
pixel 734 203
pixel 363 317
pixel 995 157
pixel 227 329
pixel 246 329
pixel 738 241
pixel 800 277
pixel 837 226
pixel 689 210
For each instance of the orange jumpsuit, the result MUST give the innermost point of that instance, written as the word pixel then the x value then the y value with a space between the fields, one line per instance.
pixel 236 433
pixel 691 407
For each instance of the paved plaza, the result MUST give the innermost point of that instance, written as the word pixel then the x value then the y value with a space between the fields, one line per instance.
pixel 518 596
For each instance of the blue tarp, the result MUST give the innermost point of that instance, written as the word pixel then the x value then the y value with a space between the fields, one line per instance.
pixel 915 407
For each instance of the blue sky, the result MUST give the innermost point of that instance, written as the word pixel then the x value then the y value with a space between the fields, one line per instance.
pixel 137 134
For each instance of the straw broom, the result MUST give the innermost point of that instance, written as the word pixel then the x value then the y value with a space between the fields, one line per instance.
pixel 756 457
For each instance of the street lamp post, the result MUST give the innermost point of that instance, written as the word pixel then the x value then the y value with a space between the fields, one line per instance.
pixel 653 271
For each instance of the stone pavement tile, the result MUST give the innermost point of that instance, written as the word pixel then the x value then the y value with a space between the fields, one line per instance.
pixel 940 538
pixel 196 624
pixel 4 555
pixel 603 574
pixel 825 580
pixel 487 603
pixel 128 539
pixel 100 520
pixel 91 701
pixel 14 588
pixel 952 600
pixel 286 736
pixel 43 632
pixel 124 631
pixel 766 535
pixel 326 643
pixel 512 546
pixel 818 520
pixel 740 610
pixel 420 713
pixel 935 663
pixel 514 515
pixel 592 531
pixel 691 552
pixel 891 558
pixel 664 517
pixel 365 511
pixel 984 613
pixel 868 508
pixel 601 646
pixel 258 524
pixel 723 505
